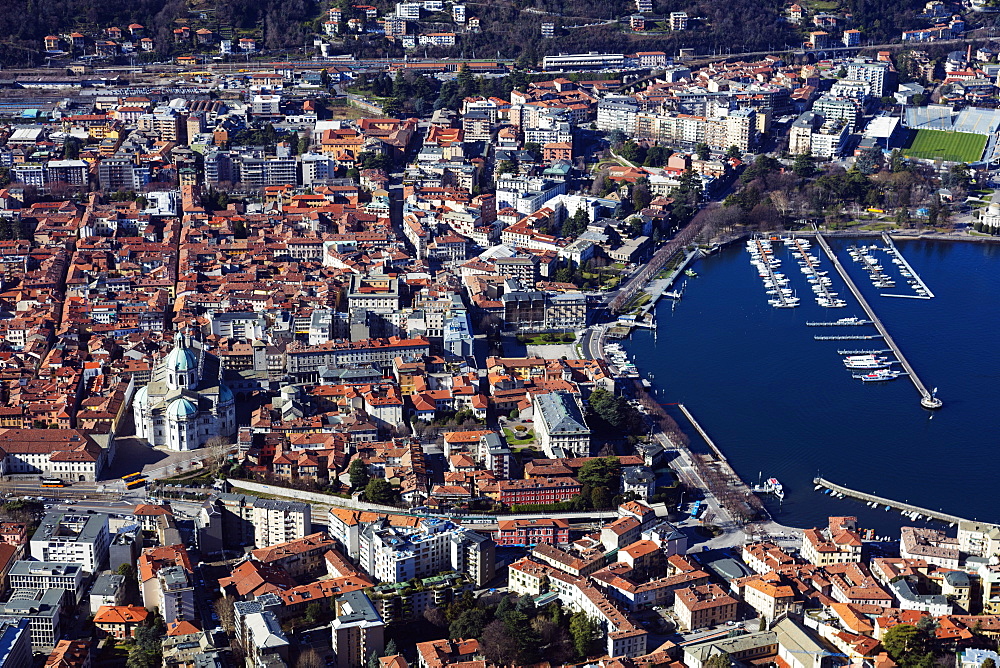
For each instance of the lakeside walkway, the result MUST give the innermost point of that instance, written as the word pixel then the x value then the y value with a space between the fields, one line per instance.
pixel 927 398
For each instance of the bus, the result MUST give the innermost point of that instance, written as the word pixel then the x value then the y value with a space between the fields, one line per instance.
pixel 131 476
pixel 53 482
pixel 696 509
pixel 135 483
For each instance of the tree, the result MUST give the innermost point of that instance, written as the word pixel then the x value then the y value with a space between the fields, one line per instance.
pixel 616 137
pixel 904 643
pixel 469 624
pixel 632 152
pixel 804 166
pixel 601 497
pixel 312 613
pixel 358 472
pixel 703 150
pixel 506 167
pixel 71 148
pixel 310 658
pixel 380 491
pixel 534 148
pixel 584 632
pixel 499 644
pixel 390 648
pixel 734 152
pixel 641 196
pixel 720 660
pixel 227 615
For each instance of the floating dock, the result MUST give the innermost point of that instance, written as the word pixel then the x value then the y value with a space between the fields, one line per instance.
pixel 895 251
pixel 927 398
pixel 856 323
pixel 906 508
pixel 848 337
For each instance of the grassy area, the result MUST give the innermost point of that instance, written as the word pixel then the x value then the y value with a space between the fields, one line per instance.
pixel 949 146
pixel 512 437
pixel 546 339
pixel 347 113
pixel 822 6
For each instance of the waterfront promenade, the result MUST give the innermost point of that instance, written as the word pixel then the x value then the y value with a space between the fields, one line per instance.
pixel 927 398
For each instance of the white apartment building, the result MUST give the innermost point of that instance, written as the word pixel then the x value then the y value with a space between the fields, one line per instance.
pixel 876 74
pixel 74 538
pixel 280 521
pixel 617 112
pixel 397 554
pixel 408 10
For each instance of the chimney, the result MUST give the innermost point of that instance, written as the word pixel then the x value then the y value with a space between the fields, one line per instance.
pixel 968 54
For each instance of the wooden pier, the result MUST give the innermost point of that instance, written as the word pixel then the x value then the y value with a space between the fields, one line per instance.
pixel 927 398
pixel 908 508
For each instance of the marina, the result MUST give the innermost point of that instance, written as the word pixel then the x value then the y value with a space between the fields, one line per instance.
pixel 908 509
pixel 897 257
pixel 775 283
pixel 818 280
pixel 728 376
pixel 928 399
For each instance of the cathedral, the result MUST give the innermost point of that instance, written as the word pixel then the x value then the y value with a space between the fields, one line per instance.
pixel 185 403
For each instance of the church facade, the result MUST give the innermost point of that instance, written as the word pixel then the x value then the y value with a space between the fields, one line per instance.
pixel 185 403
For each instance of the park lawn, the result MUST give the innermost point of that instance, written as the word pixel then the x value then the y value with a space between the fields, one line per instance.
pixel 512 438
pixel 540 340
pixel 948 146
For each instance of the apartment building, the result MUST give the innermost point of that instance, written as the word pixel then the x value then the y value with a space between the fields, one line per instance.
pixel 48 575
pixel 300 557
pixel 397 554
pixel 358 630
pixel 277 521
pixel 43 609
pixel 73 538
pixel 617 112
pixel 703 606
pixel 839 543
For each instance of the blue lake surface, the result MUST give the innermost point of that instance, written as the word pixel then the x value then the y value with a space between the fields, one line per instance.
pixel 781 404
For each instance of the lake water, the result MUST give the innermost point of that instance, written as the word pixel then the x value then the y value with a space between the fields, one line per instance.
pixel 779 403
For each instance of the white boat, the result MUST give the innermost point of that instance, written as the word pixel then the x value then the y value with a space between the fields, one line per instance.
pixel 879 363
pixel 879 375
pixel 775 487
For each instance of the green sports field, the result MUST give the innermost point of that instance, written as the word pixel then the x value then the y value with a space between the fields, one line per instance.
pixel 947 146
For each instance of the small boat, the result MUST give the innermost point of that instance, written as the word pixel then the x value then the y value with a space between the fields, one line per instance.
pixel 775 488
pixel 690 273
pixel 879 375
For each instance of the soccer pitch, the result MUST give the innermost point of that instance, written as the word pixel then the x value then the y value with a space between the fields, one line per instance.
pixel 947 146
